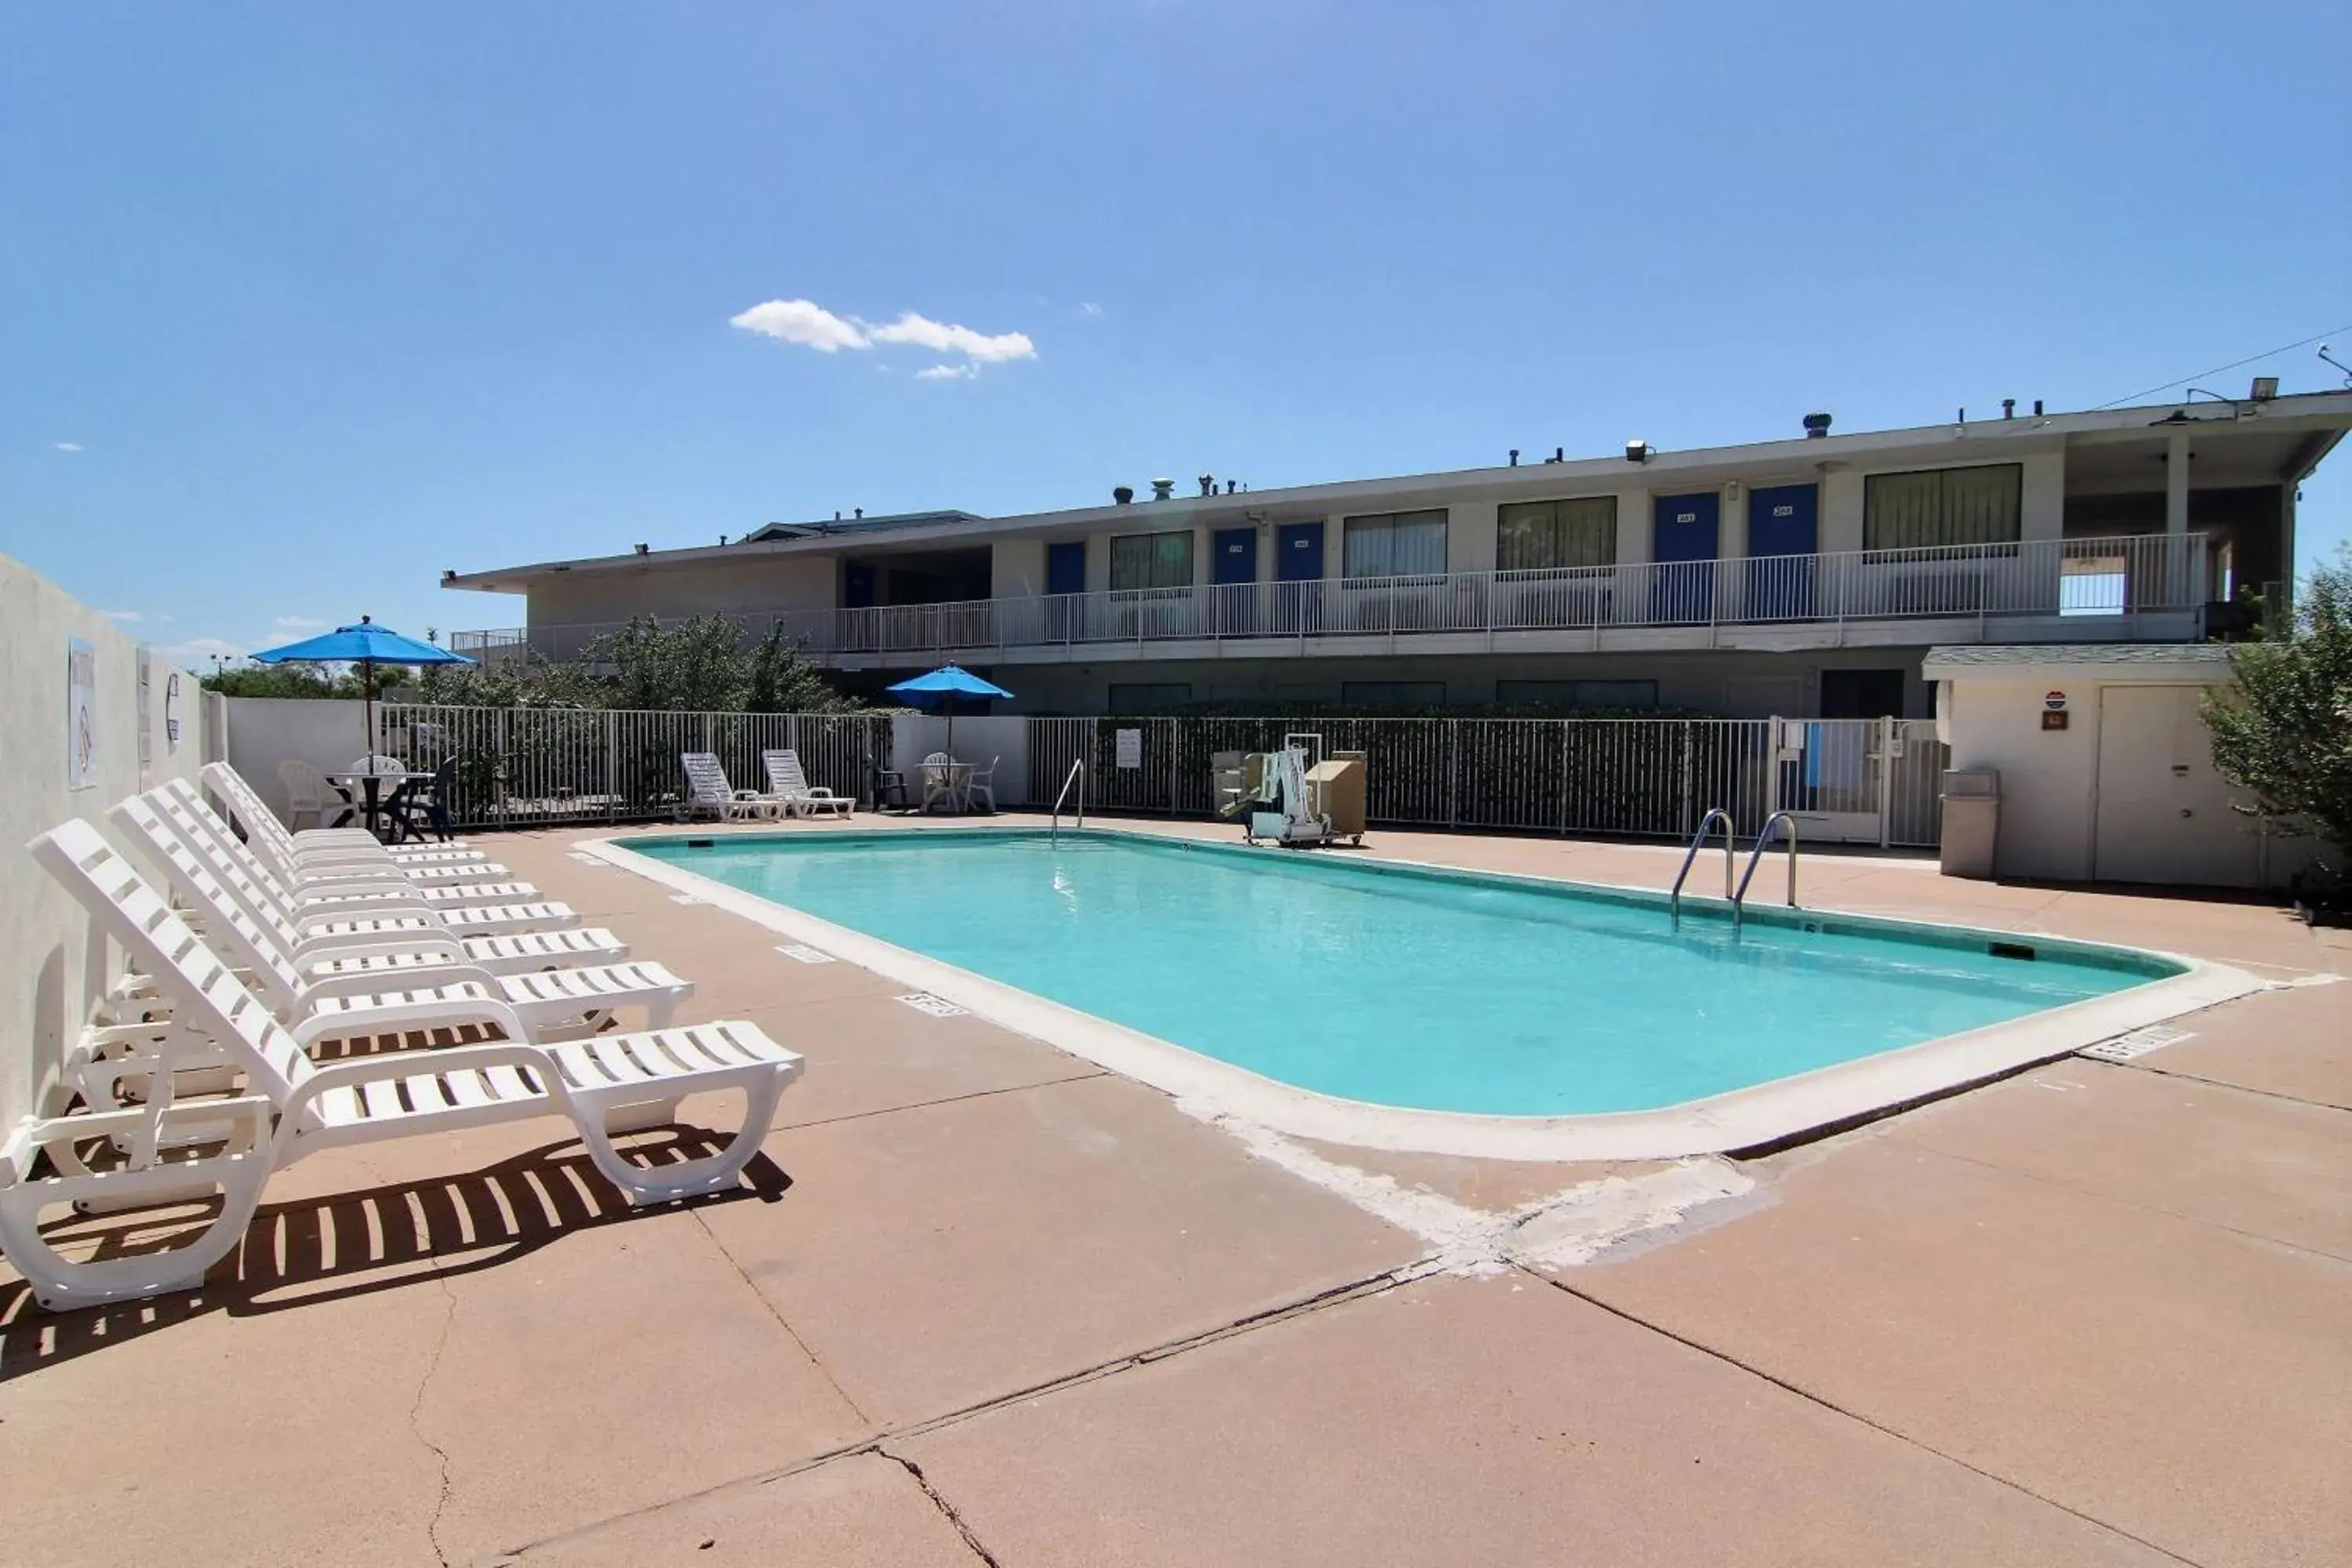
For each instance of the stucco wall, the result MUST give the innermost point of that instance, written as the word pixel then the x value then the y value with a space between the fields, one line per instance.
pixel 753 583
pixel 53 964
pixel 330 734
pixel 2051 782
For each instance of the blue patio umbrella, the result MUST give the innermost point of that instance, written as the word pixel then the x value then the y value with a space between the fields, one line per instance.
pixel 366 644
pixel 944 685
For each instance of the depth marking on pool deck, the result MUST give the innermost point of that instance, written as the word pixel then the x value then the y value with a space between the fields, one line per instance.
pixel 803 953
pixel 937 1006
pixel 2136 1044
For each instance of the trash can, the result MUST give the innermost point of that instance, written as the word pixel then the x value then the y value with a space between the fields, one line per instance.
pixel 1971 821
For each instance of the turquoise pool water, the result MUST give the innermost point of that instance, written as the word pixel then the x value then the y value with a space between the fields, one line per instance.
pixel 1441 991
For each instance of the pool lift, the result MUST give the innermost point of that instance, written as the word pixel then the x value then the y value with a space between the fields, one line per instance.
pixel 1277 800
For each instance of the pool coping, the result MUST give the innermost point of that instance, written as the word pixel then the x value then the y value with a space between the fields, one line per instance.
pixel 1761 1115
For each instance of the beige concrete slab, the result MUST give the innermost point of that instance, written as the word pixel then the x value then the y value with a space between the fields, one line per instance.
pixel 611 1369
pixel 2186 1384
pixel 862 1511
pixel 2295 1042
pixel 2273 1167
pixel 876 1053
pixel 205 1430
pixel 1491 1422
pixel 935 1257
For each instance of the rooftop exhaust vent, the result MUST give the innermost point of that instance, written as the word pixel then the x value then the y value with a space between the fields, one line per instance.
pixel 1122 494
pixel 1639 451
pixel 1163 489
pixel 1817 426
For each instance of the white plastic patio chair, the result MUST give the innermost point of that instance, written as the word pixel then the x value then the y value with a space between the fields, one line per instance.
pixel 939 780
pixel 788 783
pixel 307 793
pixel 983 781
pixel 293 1106
pixel 707 791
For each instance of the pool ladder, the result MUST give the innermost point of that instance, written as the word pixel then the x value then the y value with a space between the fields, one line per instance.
pixel 1077 775
pixel 1735 896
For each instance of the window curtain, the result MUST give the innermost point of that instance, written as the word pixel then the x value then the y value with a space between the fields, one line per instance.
pixel 1395 545
pixel 1943 506
pixel 1902 511
pixel 1983 506
pixel 1139 561
pixel 1547 535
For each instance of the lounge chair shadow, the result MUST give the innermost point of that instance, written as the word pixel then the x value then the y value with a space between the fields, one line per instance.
pixel 312 1250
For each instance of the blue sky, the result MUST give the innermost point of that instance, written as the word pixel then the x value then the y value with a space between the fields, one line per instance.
pixel 299 305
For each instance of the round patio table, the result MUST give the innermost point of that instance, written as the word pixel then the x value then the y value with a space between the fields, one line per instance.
pixel 375 803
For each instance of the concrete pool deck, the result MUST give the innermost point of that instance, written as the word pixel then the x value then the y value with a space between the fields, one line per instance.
pixel 988 1303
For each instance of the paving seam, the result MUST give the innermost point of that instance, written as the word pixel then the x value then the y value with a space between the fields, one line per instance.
pixel 1855 1416
pixel 1364 1289
pixel 782 1321
pixel 939 1500
pixel 2143 1065
pixel 2098 1196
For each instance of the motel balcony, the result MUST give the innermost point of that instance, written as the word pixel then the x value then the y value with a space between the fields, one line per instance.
pixel 2147 587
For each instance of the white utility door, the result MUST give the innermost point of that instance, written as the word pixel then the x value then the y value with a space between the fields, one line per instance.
pixel 2163 812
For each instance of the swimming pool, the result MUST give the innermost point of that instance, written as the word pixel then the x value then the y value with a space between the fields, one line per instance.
pixel 1419 989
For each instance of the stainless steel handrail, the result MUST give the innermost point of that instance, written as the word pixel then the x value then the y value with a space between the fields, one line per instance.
pixel 1788 833
pixel 1714 815
pixel 1076 775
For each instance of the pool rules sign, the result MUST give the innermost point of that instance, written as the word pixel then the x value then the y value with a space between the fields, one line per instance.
pixel 81 715
pixel 1127 748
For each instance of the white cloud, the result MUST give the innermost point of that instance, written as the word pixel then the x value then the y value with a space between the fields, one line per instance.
pixel 810 324
pixel 946 372
pixel 1089 309
pixel 66 446
pixel 300 623
pixel 801 321
pixel 949 339
pixel 126 616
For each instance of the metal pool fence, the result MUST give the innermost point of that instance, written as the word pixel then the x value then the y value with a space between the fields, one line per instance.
pixel 526 767
pixel 1872 781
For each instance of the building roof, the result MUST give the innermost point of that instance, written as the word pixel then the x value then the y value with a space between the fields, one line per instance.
pixel 2302 427
pixel 1993 657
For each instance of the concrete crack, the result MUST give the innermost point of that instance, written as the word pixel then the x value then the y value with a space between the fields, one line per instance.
pixel 415 1420
pixel 939 1500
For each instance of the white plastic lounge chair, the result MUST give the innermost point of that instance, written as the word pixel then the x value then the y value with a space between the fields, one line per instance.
pixel 707 791
pixel 294 853
pixel 424 984
pixel 983 781
pixel 374 908
pixel 147 826
pixel 294 1106
pixel 247 806
pixel 306 883
pixel 788 783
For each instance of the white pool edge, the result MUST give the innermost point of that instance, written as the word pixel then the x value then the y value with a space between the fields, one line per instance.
pixel 1762 1114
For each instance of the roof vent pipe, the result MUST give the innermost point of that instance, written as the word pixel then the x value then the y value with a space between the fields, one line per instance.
pixel 1817 426
pixel 1122 494
pixel 1229 487
pixel 1515 457
pixel 1163 489
pixel 2037 408
pixel 2008 408
pixel 860 512
pixel 1208 484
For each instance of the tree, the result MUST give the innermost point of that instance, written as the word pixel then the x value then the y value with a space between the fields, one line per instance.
pixel 282 681
pixel 2283 728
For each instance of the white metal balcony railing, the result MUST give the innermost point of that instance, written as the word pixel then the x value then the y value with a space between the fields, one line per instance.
pixel 2118 577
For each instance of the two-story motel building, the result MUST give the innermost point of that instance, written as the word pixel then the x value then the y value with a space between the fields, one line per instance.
pixel 1803 577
